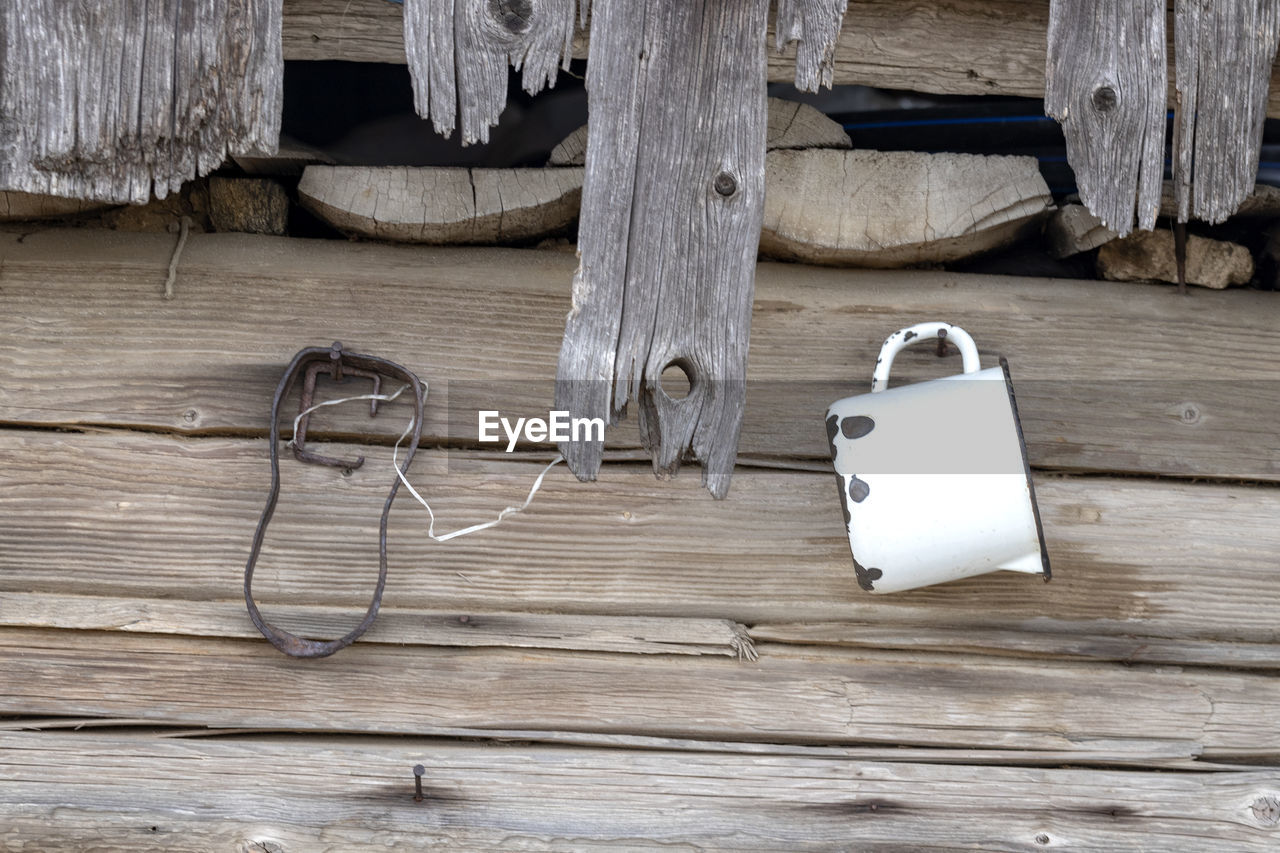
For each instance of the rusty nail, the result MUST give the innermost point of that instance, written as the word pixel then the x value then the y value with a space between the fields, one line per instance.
pixel 418 770
pixel 942 342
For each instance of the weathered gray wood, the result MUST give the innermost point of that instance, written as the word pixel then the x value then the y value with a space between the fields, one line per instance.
pixel 916 45
pixel 1073 229
pixel 671 207
pixel 1102 385
pixel 818 696
pixel 814 26
pixel 120 792
pixel 113 100
pixel 443 205
pixel 626 634
pixel 791 125
pixel 895 208
pixel 289 159
pixel 1150 256
pixel 1225 52
pixel 1183 568
pixel 459 52
pixel 1105 83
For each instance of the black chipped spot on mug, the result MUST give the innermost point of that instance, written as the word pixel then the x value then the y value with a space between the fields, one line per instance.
pixel 833 427
pixel 908 336
pixel 866 577
pixel 858 489
pixel 856 426
pixel 844 500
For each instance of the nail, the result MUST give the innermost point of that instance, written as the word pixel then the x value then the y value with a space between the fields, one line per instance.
pixel 418 770
pixel 942 342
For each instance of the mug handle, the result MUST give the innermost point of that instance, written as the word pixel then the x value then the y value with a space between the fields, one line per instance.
pixel 902 338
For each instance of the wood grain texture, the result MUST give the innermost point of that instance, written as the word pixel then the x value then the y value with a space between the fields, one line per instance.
pixel 1133 560
pixel 896 208
pixel 648 635
pixel 459 52
pixel 138 793
pixel 113 100
pixel 813 26
pixel 791 125
pixel 671 207
pixel 1225 53
pixel 443 205
pixel 1105 83
pixel 827 696
pixel 18 206
pixel 1108 378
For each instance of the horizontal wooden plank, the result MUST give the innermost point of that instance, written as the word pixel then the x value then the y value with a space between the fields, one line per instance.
pixel 790 696
pixel 1109 377
pixel 148 516
pixel 918 45
pixel 626 634
pixel 137 793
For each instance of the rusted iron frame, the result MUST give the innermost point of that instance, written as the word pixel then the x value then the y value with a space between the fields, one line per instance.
pixel 337 361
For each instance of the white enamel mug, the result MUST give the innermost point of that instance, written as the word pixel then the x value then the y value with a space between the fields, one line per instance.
pixel 933 476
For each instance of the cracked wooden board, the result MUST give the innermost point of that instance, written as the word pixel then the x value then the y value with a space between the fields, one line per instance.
pixel 1188 569
pixel 104 101
pixel 805 696
pixel 1108 379
pixel 135 792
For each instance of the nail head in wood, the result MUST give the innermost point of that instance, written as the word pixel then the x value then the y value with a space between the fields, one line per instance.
pixel 418 770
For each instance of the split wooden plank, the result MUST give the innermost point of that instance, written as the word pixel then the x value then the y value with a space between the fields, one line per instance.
pixel 1105 83
pixel 120 792
pixel 915 45
pixel 162 518
pixel 814 27
pixel 109 101
pixel 1225 54
pixel 459 52
pixel 897 208
pixel 791 125
pixel 443 205
pixel 671 206
pixel 827 696
pixel 19 206
pixel 1108 379
pixel 624 634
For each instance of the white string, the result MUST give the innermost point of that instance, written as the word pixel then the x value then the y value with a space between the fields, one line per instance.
pixel 395 462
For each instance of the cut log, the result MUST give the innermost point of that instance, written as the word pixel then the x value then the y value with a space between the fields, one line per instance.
pixel 896 208
pixel 248 205
pixel 107 100
pixel 671 207
pixel 791 125
pixel 1105 83
pixel 19 206
pixel 443 205
pixel 1149 256
pixel 1073 230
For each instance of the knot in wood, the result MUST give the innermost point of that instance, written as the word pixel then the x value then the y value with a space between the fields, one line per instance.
pixel 515 16
pixel 725 184
pixel 1266 810
pixel 1105 99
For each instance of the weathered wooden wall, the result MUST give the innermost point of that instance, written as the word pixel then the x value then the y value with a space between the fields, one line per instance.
pixel 674 669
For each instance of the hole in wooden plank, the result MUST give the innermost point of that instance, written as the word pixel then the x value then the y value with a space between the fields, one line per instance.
pixel 677 379
pixel 1104 99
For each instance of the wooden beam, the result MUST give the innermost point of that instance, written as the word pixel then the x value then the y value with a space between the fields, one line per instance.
pixel 917 45
pixel 114 792
pixel 813 696
pixel 647 635
pixel 1109 377
pixel 161 518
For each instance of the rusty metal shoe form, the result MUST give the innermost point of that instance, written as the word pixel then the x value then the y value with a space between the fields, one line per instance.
pixel 309 363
